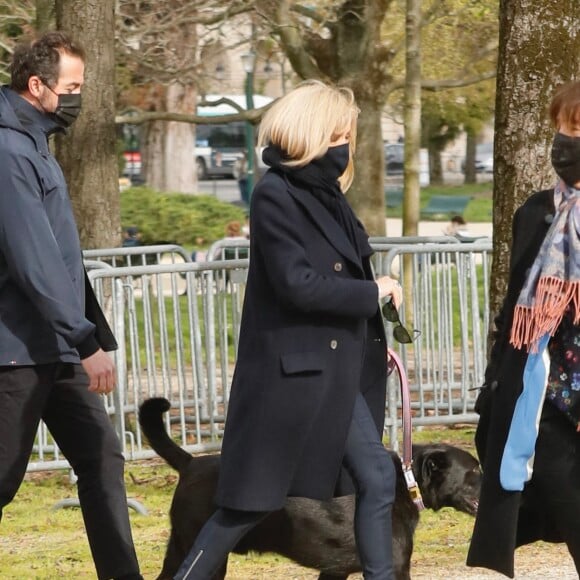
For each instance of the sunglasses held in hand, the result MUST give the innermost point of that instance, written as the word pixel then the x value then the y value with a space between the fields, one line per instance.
pixel 400 333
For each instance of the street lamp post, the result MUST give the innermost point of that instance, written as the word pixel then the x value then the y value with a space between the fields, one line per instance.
pixel 248 60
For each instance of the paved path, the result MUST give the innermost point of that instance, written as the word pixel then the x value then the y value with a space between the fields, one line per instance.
pixel 228 190
pixel 427 228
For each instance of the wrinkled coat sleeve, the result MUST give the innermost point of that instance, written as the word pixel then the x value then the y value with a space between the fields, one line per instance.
pixel 500 336
pixel 32 255
pixel 501 333
pixel 291 273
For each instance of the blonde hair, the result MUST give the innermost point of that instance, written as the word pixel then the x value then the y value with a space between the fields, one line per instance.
pixel 304 121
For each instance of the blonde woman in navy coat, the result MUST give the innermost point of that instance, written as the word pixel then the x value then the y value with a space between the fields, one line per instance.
pixel 308 393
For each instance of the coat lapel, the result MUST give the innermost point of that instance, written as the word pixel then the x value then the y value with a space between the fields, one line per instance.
pixel 327 224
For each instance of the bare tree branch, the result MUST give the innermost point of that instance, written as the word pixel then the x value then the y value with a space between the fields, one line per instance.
pixel 456 83
pixel 278 16
pixel 135 117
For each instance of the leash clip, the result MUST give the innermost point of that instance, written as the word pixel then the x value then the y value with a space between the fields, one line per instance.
pixel 413 487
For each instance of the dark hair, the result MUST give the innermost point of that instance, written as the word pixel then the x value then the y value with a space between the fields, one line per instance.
pixel 41 58
pixel 565 106
pixel 457 219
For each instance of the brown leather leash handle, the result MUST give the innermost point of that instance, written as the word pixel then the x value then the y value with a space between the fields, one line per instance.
pixel 395 363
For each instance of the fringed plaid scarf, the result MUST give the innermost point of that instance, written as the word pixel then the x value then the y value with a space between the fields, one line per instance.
pixel 553 282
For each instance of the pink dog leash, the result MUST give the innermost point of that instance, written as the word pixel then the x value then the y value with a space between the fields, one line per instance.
pixel 394 362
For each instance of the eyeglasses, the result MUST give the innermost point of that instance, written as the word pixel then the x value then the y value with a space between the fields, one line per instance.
pixel 400 333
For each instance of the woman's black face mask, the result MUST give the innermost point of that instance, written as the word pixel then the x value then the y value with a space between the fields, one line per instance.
pixel 566 158
pixel 338 157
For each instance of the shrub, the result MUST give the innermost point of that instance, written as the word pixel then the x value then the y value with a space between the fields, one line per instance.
pixel 176 217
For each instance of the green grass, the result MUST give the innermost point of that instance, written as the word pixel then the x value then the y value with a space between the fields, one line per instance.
pixel 478 210
pixel 38 543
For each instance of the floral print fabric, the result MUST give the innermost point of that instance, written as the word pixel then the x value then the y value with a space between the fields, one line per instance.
pixel 564 379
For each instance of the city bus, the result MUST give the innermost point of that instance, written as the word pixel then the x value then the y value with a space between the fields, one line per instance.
pixel 217 146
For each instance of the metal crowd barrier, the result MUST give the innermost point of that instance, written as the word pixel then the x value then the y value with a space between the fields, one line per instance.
pixel 139 255
pixel 177 325
pixel 228 249
pixel 449 307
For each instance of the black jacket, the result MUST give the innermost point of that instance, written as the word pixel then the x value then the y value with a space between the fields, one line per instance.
pixel 311 338
pixel 47 308
pixel 500 526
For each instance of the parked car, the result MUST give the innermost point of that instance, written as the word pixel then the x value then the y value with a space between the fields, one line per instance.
pixel 483 158
pixel 394 158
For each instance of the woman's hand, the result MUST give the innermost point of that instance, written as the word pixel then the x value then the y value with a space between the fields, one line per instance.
pixel 390 287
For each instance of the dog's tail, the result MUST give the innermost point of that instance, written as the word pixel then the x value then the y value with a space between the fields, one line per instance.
pixel 150 413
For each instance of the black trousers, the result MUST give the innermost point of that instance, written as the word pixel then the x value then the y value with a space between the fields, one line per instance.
pixel 372 470
pixel 552 498
pixel 76 418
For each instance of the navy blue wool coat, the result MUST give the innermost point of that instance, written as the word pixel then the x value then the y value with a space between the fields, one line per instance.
pixel 311 338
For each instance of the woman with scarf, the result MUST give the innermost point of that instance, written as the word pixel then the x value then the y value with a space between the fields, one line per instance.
pixel 528 436
pixel 307 404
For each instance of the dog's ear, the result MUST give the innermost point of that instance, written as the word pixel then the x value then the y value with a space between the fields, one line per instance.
pixel 433 462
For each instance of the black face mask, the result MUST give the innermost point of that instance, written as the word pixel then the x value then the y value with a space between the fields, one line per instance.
pixel 68 109
pixel 566 158
pixel 337 158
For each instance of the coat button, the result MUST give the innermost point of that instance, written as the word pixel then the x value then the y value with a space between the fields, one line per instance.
pixel 338 267
pixel 334 344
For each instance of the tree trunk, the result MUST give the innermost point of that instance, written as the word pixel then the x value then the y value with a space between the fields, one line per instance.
pixel 180 141
pixel 412 118
pixel 470 153
pixel 435 165
pixel 539 50
pixel 369 153
pixel 87 153
pixel 153 154
pixel 44 15
pixel 168 148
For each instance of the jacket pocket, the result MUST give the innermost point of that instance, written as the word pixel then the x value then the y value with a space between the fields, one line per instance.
pixel 302 363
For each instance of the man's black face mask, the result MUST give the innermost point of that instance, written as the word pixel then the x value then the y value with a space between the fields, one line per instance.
pixel 67 109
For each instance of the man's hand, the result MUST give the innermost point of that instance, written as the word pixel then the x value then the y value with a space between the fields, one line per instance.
pixel 101 371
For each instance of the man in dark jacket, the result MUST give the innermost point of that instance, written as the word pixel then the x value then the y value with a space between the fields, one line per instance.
pixel 53 335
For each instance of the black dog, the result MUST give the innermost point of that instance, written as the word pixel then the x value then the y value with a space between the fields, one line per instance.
pixel 314 534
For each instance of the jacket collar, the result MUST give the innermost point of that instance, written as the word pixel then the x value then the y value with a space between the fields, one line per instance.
pixel 327 224
pixel 18 114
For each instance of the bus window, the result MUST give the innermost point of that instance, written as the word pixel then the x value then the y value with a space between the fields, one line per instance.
pixel 218 147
